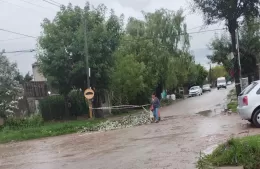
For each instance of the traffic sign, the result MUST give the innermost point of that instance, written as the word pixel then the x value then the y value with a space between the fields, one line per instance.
pixel 89 94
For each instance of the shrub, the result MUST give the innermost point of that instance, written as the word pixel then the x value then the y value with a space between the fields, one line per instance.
pixel 78 104
pixel 166 102
pixel 235 152
pixel 34 120
pixel 53 107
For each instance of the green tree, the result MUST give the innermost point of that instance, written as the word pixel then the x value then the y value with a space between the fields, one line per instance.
pixel 23 79
pixel 10 89
pixel 128 79
pixel 229 11
pixel 218 71
pixel 197 75
pixel 248 46
pixel 62 57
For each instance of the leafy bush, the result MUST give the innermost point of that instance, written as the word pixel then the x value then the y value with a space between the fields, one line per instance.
pixel 34 120
pixel 78 103
pixel 53 107
pixel 166 102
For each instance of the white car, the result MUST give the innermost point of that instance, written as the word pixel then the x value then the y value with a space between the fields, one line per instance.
pixel 206 88
pixel 229 83
pixel 195 91
pixel 249 103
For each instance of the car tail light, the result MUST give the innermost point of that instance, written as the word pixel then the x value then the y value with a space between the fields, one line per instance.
pixel 245 100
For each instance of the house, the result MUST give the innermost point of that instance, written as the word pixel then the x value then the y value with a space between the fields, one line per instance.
pixel 37 76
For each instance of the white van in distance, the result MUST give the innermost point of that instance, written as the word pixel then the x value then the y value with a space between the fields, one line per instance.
pixel 221 83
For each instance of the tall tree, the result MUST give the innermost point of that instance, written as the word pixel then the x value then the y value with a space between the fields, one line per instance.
pixel 62 57
pixel 229 11
pixel 248 45
pixel 218 71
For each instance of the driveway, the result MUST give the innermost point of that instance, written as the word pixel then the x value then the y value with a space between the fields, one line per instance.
pixel 187 128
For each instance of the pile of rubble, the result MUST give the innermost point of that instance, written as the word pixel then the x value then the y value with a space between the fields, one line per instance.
pixel 125 122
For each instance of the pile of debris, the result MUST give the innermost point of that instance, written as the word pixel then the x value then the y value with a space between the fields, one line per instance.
pixel 125 122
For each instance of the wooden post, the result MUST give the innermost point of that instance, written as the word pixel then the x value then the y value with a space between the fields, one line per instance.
pixel 90 109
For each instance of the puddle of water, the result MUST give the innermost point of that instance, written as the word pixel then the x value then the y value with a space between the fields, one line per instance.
pixel 206 113
pixel 210 149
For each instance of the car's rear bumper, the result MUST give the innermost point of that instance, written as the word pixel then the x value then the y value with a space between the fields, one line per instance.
pixel 193 94
pixel 245 112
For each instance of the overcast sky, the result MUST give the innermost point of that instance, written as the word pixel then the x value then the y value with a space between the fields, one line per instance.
pixel 23 17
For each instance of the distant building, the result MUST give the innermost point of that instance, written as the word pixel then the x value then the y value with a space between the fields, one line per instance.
pixel 37 76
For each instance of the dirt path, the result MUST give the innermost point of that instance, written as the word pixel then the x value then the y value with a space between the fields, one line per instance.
pixel 173 143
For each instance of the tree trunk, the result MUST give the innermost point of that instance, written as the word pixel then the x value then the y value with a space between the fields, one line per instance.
pixel 67 112
pixel 236 65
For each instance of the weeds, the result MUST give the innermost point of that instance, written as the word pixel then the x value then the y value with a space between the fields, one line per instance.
pixel 235 152
pixel 232 106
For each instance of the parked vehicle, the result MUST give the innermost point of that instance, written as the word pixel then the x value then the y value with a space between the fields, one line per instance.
pixel 206 88
pixel 195 91
pixel 229 83
pixel 221 83
pixel 249 104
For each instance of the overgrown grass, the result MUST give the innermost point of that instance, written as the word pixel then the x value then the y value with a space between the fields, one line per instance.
pixel 239 151
pixel 232 94
pixel 8 134
pixel 233 106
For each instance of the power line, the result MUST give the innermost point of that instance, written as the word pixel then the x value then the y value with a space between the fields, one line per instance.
pixel 17 33
pixel 196 27
pixel 12 3
pixel 34 4
pixel 205 31
pixel 4 40
pixel 32 50
pixel 55 2
pixel 20 6
pixel 20 51
pixel 51 3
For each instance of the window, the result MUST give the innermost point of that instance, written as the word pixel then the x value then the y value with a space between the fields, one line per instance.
pixel 248 89
pixel 194 88
pixel 258 91
pixel 221 81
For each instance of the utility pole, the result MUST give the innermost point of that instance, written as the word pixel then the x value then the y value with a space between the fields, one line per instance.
pixel 86 53
pixel 210 79
pixel 87 65
pixel 238 56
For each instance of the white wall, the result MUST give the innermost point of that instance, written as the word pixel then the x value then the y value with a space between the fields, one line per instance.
pixel 37 76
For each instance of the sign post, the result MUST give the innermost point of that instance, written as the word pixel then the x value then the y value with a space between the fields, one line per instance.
pixel 89 94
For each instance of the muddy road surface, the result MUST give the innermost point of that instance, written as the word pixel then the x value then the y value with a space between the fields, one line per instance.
pixel 187 127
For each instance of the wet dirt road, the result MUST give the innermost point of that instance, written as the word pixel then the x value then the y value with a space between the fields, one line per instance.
pixel 175 142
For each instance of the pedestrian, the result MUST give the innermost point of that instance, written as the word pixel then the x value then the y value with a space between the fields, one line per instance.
pixel 155 107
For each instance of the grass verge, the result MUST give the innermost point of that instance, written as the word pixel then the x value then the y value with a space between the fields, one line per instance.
pixel 232 106
pixel 48 129
pixel 235 152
